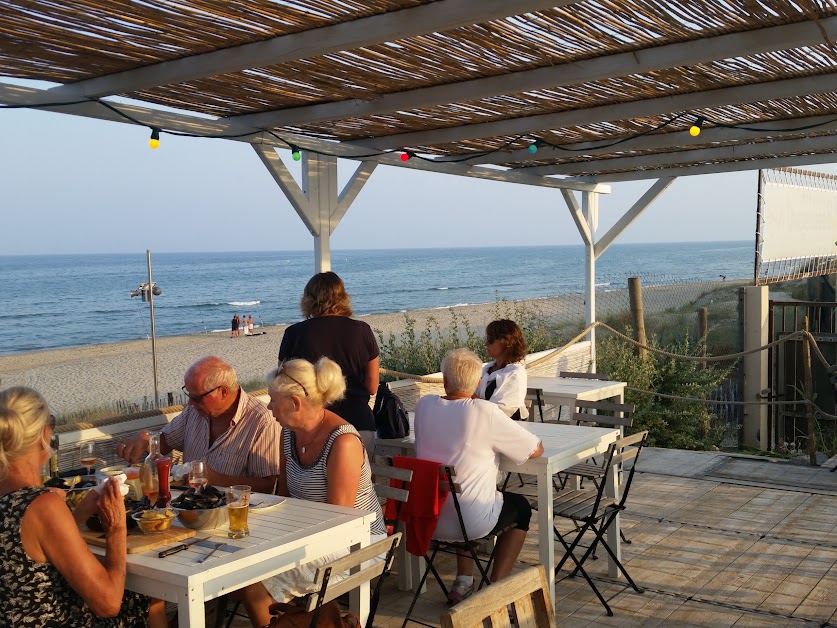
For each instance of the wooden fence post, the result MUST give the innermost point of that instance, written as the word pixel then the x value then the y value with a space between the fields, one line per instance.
pixel 703 329
pixel 635 294
pixel 809 394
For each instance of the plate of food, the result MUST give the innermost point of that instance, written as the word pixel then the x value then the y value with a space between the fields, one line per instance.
pixel 263 503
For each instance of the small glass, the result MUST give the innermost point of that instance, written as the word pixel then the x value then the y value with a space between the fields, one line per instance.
pixel 238 504
pixel 87 456
pixel 197 475
pixel 44 473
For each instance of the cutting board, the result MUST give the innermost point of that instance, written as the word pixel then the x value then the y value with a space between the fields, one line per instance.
pixel 139 542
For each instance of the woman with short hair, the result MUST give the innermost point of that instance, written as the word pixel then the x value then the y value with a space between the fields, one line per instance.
pixel 323 460
pixel 48 576
pixel 470 434
pixel 329 331
pixel 504 380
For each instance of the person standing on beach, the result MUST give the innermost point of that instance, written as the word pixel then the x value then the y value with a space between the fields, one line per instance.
pixel 233 432
pixel 329 331
pixel 234 331
pixel 250 324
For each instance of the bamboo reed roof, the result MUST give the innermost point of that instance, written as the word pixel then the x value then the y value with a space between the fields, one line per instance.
pixel 448 79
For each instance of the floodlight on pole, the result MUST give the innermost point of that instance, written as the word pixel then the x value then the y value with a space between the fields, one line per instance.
pixel 147 291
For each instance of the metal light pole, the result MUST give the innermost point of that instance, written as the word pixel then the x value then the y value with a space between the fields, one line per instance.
pixel 148 291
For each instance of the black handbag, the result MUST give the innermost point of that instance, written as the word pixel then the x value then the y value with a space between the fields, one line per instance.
pixel 390 417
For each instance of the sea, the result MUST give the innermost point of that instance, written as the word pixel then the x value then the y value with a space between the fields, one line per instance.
pixel 54 301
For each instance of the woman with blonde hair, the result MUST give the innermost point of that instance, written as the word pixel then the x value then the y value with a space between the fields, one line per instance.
pixel 323 460
pixel 329 331
pixel 49 576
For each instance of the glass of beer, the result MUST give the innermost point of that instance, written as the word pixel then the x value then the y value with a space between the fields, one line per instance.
pixel 44 472
pixel 238 504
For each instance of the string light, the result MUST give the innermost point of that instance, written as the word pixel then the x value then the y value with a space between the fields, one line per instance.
pixel 405 155
pixel 694 130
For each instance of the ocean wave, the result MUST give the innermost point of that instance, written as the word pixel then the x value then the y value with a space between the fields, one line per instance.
pixel 444 307
pixel 600 285
pixel 243 303
pixel 445 288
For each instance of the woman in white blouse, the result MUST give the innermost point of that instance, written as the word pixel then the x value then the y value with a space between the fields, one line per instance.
pixel 504 378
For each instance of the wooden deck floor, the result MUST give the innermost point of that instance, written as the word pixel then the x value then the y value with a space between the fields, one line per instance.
pixel 708 553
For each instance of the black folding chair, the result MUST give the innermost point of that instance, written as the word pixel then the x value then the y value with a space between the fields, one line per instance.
pixel 470 546
pixel 592 511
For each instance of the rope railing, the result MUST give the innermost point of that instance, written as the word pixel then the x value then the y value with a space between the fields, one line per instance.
pixel 820 413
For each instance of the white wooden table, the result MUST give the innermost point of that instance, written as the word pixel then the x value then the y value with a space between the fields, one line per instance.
pixel 564 446
pixel 564 391
pixel 281 538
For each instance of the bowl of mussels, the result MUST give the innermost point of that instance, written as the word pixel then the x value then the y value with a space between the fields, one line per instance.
pixel 201 509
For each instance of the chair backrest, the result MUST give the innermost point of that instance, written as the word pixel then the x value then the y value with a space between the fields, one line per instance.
pixel 329 590
pixel 527 591
pixel 534 398
pixel 579 375
pixel 604 413
pixel 387 472
pixel 625 449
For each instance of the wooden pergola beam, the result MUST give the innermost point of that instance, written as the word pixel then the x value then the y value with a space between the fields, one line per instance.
pixel 430 18
pixel 757 92
pixel 574 73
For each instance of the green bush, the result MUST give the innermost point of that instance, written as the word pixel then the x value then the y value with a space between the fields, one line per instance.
pixel 672 423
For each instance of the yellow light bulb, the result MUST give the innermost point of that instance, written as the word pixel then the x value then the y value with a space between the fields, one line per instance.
pixel 694 130
pixel 154 141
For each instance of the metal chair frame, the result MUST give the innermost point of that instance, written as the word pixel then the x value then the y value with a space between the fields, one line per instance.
pixel 453 547
pixel 591 510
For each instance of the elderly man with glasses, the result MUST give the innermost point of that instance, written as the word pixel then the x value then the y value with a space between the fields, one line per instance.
pixel 233 432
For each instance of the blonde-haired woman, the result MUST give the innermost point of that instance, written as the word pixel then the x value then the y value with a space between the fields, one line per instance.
pixel 49 576
pixel 323 460
pixel 329 331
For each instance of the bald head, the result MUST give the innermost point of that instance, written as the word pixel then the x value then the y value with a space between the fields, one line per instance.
pixel 212 371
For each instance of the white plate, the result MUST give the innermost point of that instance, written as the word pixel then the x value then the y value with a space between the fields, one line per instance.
pixel 265 503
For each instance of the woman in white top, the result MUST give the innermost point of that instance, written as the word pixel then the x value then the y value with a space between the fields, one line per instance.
pixel 470 434
pixel 504 378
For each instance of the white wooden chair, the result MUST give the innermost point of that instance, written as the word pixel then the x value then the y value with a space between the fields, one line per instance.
pixel 526 593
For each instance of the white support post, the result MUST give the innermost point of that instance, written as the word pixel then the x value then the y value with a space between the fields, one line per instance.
pixel 319 184
pixel 316 201
pixel 590 210
pixel 756 313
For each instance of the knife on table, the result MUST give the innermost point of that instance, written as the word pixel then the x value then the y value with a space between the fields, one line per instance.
pixel 180 548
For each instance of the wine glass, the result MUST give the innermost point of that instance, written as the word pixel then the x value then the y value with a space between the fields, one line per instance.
pixel 197 475
pixel 87 456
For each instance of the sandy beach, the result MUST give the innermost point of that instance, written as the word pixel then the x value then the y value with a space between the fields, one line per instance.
pixel 95 376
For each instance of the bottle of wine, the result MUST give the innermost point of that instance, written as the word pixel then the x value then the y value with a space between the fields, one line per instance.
pixel 149 476
pixel 53 459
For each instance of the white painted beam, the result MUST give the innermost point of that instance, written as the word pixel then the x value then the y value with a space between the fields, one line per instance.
pixel 632 214
pixel 578 72
pixel 757 92
pixel 182 123
pixel 295 195
pixel 578 217
pixel 658 141
pixel 701 155
pixel 717 168
pixel 429 18
pixel 352 189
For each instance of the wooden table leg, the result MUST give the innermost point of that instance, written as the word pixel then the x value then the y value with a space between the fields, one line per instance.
pixel 546 541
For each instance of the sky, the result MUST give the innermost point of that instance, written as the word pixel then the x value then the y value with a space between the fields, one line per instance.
pixel 77 185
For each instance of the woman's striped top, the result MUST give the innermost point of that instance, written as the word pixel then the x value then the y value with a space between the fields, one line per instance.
pixel 311 482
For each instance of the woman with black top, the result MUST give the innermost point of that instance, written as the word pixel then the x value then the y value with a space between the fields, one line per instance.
pixel 504 379
pixel 329 331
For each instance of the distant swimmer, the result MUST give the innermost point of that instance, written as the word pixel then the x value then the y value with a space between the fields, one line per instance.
pixel 723 277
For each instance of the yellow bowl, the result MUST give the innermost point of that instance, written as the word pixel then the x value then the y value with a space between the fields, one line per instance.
pixel 154 521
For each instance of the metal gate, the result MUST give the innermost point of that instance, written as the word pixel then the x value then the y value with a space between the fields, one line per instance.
pixel 788 423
